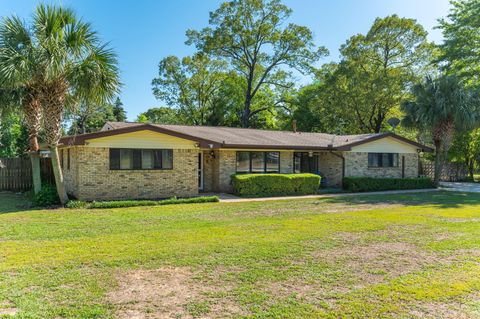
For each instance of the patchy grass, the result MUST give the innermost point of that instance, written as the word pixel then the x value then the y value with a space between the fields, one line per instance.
pixel 390 256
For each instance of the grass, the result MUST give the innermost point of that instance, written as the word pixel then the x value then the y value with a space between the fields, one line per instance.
pixel 389 256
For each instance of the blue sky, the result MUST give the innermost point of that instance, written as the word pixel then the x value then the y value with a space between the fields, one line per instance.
pixel 142 32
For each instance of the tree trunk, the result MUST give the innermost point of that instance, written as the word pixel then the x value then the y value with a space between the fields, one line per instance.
pixel 57 172
pixel 246 114
pixel 33 116
pixel 36 172
pixel 438 163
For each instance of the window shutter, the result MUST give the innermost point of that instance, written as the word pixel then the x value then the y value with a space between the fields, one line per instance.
pixel 114 158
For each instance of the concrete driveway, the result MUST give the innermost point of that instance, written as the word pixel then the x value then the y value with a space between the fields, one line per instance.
pixel 460 187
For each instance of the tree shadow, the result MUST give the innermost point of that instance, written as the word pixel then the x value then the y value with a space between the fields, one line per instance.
pixel 14 202
pixel 439 199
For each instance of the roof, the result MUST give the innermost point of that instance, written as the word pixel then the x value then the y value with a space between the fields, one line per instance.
pixel 229 137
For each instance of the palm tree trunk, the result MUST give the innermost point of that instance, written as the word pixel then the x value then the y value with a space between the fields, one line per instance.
pixel 36 172
pixel 57 172
pixel 33 116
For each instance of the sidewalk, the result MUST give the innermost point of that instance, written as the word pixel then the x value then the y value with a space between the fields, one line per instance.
pixel 228 198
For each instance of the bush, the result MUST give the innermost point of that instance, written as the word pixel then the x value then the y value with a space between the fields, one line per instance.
pixel 76 204
pixel 370 184
pixel 47 196
pixel 259 185
pixel 134 203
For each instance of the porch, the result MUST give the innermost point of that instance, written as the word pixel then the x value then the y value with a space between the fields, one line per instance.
pixel 215 167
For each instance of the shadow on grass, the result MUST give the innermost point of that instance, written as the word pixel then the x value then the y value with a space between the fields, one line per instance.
pixel 14 202
pixel 441 199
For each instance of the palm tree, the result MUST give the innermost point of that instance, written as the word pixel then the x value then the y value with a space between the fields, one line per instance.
pixel 71 65
pixel 441 107
pixel 17 90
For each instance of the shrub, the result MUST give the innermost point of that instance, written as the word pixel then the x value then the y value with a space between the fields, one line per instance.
pixel 134 203
pixel 47 196
pixel 259 185
pixel 76 204
pixel 370 184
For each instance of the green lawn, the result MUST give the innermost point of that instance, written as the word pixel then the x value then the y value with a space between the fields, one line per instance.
pixel 401 256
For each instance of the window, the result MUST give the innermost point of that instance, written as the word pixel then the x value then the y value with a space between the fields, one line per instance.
pixel 272 162
pixel 138 159
pixel 61 159
pixel 383 159
pixel 258 162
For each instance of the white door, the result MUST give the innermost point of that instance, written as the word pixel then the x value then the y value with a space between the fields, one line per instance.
pixel 200 171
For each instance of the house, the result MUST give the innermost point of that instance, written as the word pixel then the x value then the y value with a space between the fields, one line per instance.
pixel 136 160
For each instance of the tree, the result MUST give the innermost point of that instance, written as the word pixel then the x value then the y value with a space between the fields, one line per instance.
pixel 441 107
pixel 17 68
pixel 190 85
pixel 160 115
pixel 376 72
pixel 13 135
pixel 88 118
pixel 118 111
pixel 61 58
pixel 466 149
pixel 461 32
pixel 252 37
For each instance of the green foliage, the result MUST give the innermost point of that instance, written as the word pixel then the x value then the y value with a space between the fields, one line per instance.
pixel 118 111
pixel 135 203
pixel 76 204
pixel 371 184
pixel 441 107
pixel 461 33
pixel 191 86
pixel 89 118
pixel 360 93
pixel 13 136
pixel 47 196
pixel 161 115
pixel 252 36
pixel 260 185
pixel 466 149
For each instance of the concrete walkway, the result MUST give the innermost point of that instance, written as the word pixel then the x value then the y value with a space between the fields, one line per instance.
pixel 460 187
pixel 228 198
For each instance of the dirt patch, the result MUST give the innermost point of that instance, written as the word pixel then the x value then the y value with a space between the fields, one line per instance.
pixel 354 265
pixel 7 309
pixel 443 310
pixel 169 292
pixel 377 262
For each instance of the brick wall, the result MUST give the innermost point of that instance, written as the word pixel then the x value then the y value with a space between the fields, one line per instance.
pixel 356 164
pixel 70 176
pixel 331 167
pixel 96 181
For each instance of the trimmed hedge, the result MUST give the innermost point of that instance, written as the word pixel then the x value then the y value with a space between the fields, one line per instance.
pixel 134 203
pixel 371 184
pixel 260 185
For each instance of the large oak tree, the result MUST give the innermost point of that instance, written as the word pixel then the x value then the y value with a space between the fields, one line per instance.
pixel 253 36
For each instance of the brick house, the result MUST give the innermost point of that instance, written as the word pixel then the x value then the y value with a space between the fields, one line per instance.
pixel 135 160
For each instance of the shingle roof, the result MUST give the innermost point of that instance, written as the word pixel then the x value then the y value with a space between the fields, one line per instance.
pixel 229 137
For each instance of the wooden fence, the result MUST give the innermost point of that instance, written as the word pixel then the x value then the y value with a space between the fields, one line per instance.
pixel 451 172
pixel 16 173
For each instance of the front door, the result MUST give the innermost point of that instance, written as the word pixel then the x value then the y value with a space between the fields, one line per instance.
pixel 200 171
pixel 306 162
